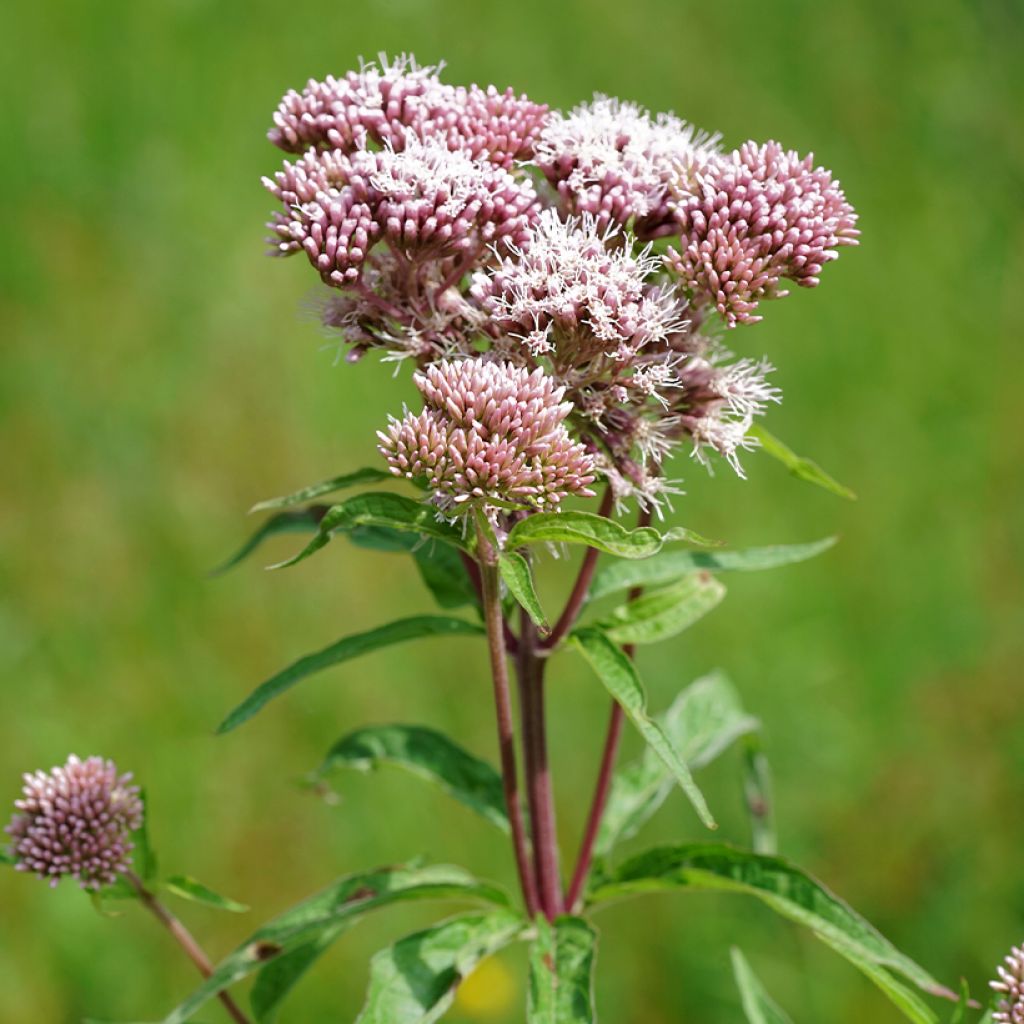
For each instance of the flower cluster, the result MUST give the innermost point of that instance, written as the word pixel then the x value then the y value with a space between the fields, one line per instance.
pixel 1010 986
pixel 491 435
pixel 75 820
pixel 760 216
pixel 471 227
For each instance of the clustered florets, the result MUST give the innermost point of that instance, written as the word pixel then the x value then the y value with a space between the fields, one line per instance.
pixel 471 227
pixel 76 820
pixel 1010 986
pixel 490 434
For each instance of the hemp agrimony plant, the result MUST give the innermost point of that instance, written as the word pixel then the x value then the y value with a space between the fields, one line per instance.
pixel 562 287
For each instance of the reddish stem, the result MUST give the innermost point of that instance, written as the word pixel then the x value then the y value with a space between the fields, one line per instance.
pixel 506 734
pixel 185 939
pixel 538 774
pixel 579 591
pixel 604 777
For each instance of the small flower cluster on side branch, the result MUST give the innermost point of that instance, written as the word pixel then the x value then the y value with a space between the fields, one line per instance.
pixel 607 249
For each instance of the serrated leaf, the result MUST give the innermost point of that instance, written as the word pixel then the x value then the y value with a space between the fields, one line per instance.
pixel 430 755
pixel 367 475
pixel 670 565
pixel 663 613
pixel 757 794
pixel 791 893
pixel 380 509
pixel 305 520
pixel 758 1006
pixel 515 571
pixel 188 888
pixel 277 979
pixel 336 908
pixel 415 980
pixel 345 650
pixel 703 721
pixel 620 678
pixel 561 986
pixel 799 466
pixel 585 528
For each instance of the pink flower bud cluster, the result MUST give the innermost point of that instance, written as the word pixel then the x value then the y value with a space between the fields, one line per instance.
pixel 491 434
pixel 426 201
pixel 1010 986
pixel 760 216
pixel 612 160
pixel 76 820
pixel 399 102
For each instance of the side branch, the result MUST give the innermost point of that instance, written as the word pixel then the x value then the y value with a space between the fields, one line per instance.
pixel 185 939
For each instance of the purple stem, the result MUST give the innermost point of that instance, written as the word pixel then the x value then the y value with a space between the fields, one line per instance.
pixel 506 733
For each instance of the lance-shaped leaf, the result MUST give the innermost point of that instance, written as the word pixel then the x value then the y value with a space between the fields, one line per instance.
pixel 415 980
pixel 515 571
pixel 367 475
pixel 620 678
pixel 276 979
pixel 6 856
pixel 791 893
pixel 336 908
pixel 561 988
pixel 587 528
pixel 802 468
pixel 144 863
pixel 703 721
pixel 380 509
pixel 344 650
pixel 758 1006
pixel 670 565
pixel 303 520
pixel 188 888
pixel 428 754
pixel 663 613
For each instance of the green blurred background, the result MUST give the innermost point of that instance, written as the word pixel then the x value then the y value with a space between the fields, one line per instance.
pixel 157 377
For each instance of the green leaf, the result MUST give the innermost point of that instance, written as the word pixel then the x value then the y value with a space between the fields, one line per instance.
pixel 304 520
pixel 428 754
pixel 800 467
pixel 791 893
pixel 703 721
pixel 663 613
pixel 757 794
pixel 670 565
pixel 366 475
pixel 758 1006
pixel 587 528
pixel 188 888
pixel 7 856
pixel 339 906
pixel 344 650
pixel 380 509
pixel 620 678
pixel 561 988
pixel 415 980
pixel 143 862
pixel 276 980
pixel 515 571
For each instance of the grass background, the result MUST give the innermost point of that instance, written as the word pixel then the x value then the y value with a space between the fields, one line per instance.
pixel 156 379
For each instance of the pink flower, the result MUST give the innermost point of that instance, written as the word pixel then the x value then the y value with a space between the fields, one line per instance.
pixel 1010 985
pixel 76 821
pixel 760 216
pixel 490 435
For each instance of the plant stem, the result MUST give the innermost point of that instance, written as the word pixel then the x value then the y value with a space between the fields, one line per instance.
pixel 538 774
pixel 185 939
pixel 579 591
pixel 494 621
pixel 604 776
